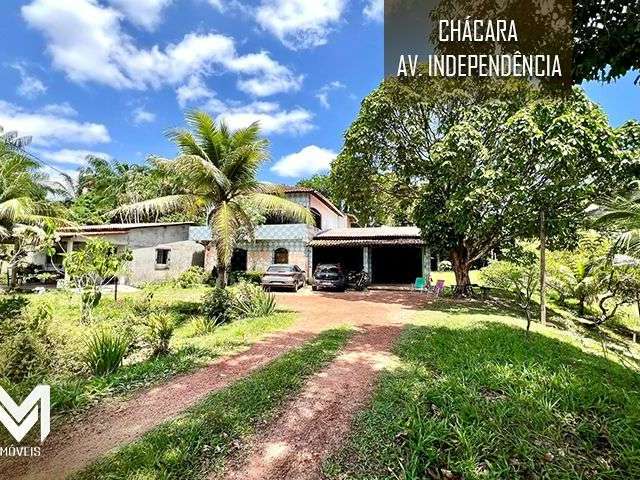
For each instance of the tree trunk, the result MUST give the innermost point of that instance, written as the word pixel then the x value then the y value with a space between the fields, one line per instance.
pixel 581 306
pixel 460 268
pixel 528 313
pixel 543 268
pixel 221 281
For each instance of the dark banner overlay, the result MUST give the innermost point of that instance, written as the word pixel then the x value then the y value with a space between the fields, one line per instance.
pixel 530 39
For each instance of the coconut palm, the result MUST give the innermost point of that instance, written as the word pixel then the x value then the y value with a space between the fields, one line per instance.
pixel 218 169
pixel 622 215
pixel 22 191
pixel 24 208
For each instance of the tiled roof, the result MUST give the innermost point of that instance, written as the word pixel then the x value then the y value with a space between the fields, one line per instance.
pixel 365 242
pixel 323 199
pixel 115 227
pixel 370 233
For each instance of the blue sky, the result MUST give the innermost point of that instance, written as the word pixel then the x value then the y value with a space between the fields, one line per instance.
pixel 110 76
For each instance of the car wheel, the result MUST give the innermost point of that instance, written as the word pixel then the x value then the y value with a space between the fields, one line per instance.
pixel 314 288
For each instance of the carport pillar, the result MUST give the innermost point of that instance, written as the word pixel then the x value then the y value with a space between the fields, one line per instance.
pixel 366 261
pixel 426 262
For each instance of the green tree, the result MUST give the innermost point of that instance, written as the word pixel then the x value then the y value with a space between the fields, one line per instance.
pixel 562 155
pixel 25 212
pixel 323 184
pixel 219 169
pixel 92 267
pixel 517 278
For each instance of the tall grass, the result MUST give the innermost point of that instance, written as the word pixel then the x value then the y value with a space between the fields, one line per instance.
pixel 106 350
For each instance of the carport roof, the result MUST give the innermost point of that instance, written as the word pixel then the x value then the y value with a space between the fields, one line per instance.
pixel 368 236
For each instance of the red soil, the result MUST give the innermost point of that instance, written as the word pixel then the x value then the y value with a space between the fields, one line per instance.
pixel 103 429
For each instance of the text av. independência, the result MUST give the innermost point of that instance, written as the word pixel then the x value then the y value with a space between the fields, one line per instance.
pixel 482 65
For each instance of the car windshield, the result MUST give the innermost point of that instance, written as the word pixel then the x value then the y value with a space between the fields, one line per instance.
pixel 280 269
pixel 329 269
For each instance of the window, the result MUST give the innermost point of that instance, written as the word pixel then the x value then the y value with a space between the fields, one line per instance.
pixel 317 218
pixel 162 257
pixel 281 255
pixel 280 269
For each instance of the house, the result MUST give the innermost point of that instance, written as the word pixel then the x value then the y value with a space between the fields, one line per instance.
pixel 389 254
pixel 161 251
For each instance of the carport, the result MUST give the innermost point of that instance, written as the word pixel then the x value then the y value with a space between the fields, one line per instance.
pixel 391 255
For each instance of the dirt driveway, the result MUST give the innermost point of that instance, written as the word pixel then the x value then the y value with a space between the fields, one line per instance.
pixel 71 447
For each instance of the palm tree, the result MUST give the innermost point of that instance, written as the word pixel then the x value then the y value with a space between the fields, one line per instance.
pixel 24 208
pixel 622 214
pixel 218 168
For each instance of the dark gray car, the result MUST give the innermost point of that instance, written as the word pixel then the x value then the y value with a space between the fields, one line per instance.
pixel 283 276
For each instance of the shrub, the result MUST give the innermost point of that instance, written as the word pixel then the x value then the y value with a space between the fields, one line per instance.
pixel 250 301
pixel 217 305
pixel 203 325
pixel 160 327
pixel 105 351
pixel 444 266
pixel 191 277
pixel 12 307
pixel 26 348
pixel 251 277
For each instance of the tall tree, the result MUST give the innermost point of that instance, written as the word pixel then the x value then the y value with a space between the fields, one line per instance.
pixel 565 156
pixel 219 168
pixel 480 162
pixel 24 207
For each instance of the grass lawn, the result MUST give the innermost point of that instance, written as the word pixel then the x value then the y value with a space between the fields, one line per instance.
pixel 476 399
pixel 71 390
pixel 450 278
pixel 203 437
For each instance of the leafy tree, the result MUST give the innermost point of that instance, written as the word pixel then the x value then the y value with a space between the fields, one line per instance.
pixel 323 184
pixel 92 267
pixel 606 39
pixel 219 169
pixel 518 278
pixel 562 155
pixel 475 163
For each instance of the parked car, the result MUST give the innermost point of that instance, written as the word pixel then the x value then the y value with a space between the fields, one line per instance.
pixel 283 276
pixel 330 277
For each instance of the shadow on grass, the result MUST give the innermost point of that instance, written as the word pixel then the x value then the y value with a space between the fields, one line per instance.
pixel 490 402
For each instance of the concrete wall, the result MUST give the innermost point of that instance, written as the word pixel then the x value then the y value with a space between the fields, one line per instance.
pixel 330 219
pixel 182 255
pixel 260 254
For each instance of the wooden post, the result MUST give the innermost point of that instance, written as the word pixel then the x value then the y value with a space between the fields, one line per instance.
pixel 115 291
pixel 543 268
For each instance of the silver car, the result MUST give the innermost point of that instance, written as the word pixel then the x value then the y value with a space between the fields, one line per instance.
pixel 283 276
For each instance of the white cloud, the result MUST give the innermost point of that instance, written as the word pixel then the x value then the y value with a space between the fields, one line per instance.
pixel 30 86
pixel 323 93
pixel 269 76
pixel 272 118
pixel 300 24
pixel 144 13
pixel 140 116
pixel 374 10
pixel 308 161
pixel 193 90
pixel 217 4
pixel 47 128
pixel 61 109
pixel 86 41
pixel 68 156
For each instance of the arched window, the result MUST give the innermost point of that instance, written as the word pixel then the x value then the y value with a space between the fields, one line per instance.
pixel 281 255
pixel 317 218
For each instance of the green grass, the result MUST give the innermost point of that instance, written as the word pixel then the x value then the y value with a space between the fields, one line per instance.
pixel 202 438
pixel 450 278
pixel 72 389
pixel 475 397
